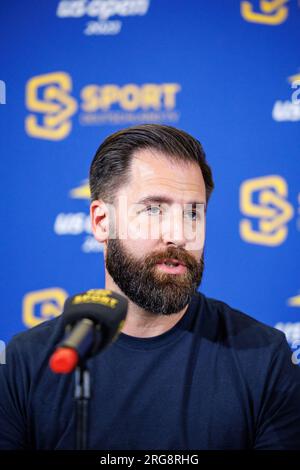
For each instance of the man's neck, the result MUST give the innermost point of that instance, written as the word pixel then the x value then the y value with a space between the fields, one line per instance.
pixel 141 323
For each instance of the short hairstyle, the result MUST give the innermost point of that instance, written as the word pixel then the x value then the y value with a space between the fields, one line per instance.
pixel 110 168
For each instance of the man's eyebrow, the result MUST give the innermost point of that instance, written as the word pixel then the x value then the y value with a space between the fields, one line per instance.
pixel 164 199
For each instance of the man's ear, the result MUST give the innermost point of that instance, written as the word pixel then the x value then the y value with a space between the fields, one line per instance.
pixel 99 220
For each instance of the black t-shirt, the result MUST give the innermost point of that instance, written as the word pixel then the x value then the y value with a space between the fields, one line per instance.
pixel 218 379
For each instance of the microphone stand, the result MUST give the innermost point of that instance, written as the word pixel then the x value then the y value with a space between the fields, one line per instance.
pixel 84 316
pixel 82 396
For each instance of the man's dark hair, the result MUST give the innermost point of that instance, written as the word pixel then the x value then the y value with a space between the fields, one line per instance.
pixel 110 168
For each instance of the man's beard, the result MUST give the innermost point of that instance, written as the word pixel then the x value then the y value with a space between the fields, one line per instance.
pixel 146 285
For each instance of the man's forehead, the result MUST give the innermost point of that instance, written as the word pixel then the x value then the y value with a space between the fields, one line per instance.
pixel 151 169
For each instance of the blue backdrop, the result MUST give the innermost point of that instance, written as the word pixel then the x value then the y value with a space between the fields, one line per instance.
pixel 74 71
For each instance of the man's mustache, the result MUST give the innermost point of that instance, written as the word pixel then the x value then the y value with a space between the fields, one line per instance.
pixel 181 256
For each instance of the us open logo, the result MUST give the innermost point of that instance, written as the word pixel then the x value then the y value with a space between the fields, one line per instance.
pixel 289 109
pixel 103 15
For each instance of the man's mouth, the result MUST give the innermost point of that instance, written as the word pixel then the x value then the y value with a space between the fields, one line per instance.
pixel 171 266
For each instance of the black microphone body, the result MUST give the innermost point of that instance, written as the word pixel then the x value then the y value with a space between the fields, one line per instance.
pixel 92 320
pixel 85 338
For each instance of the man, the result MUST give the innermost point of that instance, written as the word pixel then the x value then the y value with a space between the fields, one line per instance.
pixel 187 371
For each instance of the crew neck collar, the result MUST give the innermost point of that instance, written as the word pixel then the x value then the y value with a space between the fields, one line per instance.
pixel 152 342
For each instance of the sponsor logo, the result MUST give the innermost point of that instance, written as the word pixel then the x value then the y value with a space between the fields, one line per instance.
pixel 42 305
pixel 78 223
pixel 289 109
pixel 295 83
pixel 263 201
pixel 2 92
pixel 268 12
pixel 49 98
pixel 100 12
pixel 96 296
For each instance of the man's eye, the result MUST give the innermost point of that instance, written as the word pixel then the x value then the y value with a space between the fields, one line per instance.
pixel 153 210
pixel 193 215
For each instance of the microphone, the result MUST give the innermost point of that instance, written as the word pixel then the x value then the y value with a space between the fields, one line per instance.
pixel 92 319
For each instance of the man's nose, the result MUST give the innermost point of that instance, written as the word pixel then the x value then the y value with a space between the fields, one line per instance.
pixel 172 229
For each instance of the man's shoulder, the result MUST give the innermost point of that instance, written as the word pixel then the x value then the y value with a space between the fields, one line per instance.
pixel 43 335
pixel 238 326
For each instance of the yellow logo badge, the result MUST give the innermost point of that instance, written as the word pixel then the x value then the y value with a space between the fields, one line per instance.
pixel 49 95
pixel 271 12
pixel 51 106
pixel 43 305
pixel 271 210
